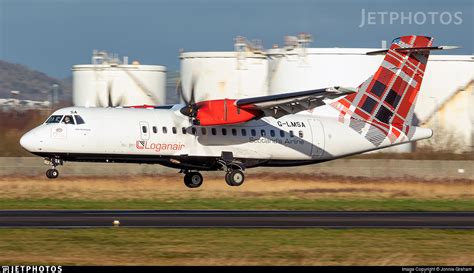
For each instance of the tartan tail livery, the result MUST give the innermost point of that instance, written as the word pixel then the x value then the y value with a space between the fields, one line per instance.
pixel 383 106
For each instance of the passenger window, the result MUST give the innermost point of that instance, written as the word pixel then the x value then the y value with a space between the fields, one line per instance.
pixel 244 132
pixel 68 120
pixel 165 130
pixel 234 131
pixel 193 130
pixel 79 119
pixel 155 130
pixel 224 131
pixel 174 130
pixel 253 132
pixel 272 133
pixel 183 130
pixel 213 131
pixel 291 133
pixel 262 133
pixel 144 130
pixel 282 133
pixel 203 131
pixel 300 134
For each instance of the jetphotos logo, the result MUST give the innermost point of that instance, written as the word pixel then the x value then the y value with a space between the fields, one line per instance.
pixel 31 269
pixel 157 147
pixel 410 18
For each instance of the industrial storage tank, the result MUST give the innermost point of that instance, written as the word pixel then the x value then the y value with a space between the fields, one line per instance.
pixel 229 74
pixel 110 82
pixel 295 67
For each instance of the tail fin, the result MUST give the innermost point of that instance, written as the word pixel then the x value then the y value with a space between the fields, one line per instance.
pixel 387 99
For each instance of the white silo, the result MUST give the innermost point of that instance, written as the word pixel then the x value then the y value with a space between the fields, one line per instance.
pixel 111 82
pixel 230 74
pixel 295 67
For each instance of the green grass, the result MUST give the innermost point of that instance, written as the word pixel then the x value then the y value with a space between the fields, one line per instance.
pixel 348 204
pixel 128 246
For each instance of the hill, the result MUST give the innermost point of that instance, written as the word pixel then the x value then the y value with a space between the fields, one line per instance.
pixel 33 85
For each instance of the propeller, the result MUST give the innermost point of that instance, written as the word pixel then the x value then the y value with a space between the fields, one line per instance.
pixel 110 102
pixel 191 108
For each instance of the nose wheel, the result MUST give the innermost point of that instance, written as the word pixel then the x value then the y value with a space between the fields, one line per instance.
pixel 52 173
pixel 234 178
pixel 193 180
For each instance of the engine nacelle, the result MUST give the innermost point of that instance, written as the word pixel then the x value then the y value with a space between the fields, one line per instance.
pixel 221 112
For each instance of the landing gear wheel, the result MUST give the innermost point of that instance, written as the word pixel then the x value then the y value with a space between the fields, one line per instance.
pixel 52 173
pixel 193 180
pixel 227 179
pixel 235 178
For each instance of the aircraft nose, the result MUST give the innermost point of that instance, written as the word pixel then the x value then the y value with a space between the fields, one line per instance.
pixel 27 141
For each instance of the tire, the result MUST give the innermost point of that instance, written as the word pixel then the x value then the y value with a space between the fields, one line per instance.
pixel 235 178
pixel 52 173
pixel 227 179
pixel 193 180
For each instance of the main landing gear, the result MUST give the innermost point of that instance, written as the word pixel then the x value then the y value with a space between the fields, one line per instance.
pixel 193 179
pixel 234 169
pixel 233 177
pixel 53 172
pixel 234 172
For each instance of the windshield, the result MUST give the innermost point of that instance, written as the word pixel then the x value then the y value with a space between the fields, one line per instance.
pixel 54 119
pixel 68 120
pixel 79 119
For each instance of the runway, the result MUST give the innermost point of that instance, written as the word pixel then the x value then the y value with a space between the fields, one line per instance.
pixel 232 219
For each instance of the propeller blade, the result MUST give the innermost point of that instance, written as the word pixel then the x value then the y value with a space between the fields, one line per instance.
pixel 193 89
pixel 109 94
pixel 191 108
pixel 179 90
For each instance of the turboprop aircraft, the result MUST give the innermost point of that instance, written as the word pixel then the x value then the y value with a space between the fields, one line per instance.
pixel 231 135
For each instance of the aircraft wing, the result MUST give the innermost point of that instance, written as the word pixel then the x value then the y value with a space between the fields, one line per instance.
pixel 290 103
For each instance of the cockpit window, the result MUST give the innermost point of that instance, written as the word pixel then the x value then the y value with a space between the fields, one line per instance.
pixel 68 120
pixel 54 119
pixel 79 119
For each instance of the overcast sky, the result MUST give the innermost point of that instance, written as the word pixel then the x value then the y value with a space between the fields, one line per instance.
pixel 52 35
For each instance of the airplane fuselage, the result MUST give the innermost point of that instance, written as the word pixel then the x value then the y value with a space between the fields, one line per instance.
pixel 166 137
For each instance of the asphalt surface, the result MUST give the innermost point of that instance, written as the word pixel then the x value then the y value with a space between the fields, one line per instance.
pixel 234 219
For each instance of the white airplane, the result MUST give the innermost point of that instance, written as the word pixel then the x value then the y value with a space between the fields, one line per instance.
pixel 231 135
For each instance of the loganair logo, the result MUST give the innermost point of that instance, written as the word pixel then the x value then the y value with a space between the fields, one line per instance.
pixel 157 147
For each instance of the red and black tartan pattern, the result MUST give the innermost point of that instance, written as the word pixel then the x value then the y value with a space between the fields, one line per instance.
pixel 385 102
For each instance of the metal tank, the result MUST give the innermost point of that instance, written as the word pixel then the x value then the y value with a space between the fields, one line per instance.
pixel 229 74
pixel 295 67
pixel 110 82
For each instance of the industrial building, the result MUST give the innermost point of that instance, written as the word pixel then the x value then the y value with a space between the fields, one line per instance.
pixel 109 81
pixel 453 122
pixel 226 74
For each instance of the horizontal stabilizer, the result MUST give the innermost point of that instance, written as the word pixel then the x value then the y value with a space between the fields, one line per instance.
pixel 413 49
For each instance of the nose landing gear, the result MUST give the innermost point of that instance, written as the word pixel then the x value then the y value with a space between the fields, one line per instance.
pixel 54 162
